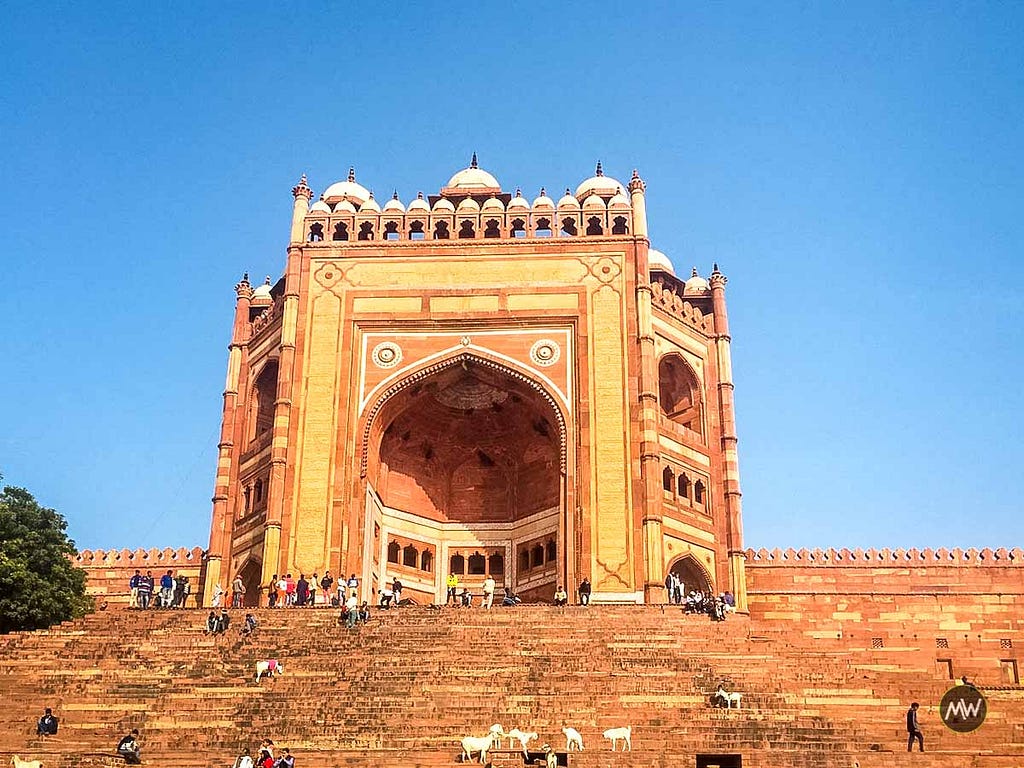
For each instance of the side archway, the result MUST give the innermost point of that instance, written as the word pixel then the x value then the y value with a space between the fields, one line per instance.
pixel 693 575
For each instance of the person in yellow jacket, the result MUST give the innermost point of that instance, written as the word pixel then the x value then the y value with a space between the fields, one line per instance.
pixel 453 586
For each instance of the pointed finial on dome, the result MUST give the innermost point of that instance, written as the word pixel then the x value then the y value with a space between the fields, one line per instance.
pixel 267 281
pixel 636 183
pixel 302 189
pixel 351 173
pixel 568 192
pixel 600 170
pixel 245 277
pixel 371 194
pixel 395 195
pixel 714 270
pixel 419 195
pixel 519 192
pixel 694 273
pixel 717 280
pixel 472 163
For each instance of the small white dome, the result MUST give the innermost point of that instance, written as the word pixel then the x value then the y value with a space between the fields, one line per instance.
pixel 262 294
pixel 619 200
pixel 593 202
pixel 419 204
pixel 469 204
pixel 599 184
pixel 568 201
pixel 346 190
pixel 472 178
pixel 394 204
pixel 656 260
pixel 518 201
pixel 493 204
pixel 443 204
pixel 543 201
pixel 344 207
pixel 320 207
pixel 696 285
pixel 370 206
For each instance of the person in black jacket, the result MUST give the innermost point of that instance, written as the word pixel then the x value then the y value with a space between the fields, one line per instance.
pixel 128 748
pixel 47 725
pixel 914 729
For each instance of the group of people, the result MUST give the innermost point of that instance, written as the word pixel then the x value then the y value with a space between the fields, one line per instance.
pixel 265 758
pixel 170 592
pixel 218 623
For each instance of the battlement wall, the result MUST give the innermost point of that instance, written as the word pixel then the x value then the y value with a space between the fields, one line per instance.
pixel 888 593
pixel 108 570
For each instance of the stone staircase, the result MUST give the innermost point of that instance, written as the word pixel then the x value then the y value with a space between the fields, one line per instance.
pixel 403 689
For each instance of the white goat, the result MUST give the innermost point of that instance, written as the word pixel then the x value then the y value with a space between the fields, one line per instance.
pixel 573 739
pixel 498 733
pixel 481 744
pixel 17 762
pixel 268 668
pixel 524 737
pixel 620 733
pixel 728 699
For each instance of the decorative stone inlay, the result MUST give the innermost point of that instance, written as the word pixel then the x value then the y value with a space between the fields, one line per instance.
pixel 470 394
pixel 545 352
pixel 387 354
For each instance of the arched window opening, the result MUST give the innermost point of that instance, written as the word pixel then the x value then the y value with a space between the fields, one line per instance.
pixel 543 228
pixel 261 402
pixel 594 226
pixel 366 231
pixel 257 492
pixel 426 561
pixel 466 231
pixel 524 560
pixel 496 566
pixel 340 231
pixel 416 231
pixel 619 226
pixel 391 230
pixel 698 492
pixel 477 564
pixel 492 229
pixel 679 392
pixel 666 479
pixel 537 556
pixel 410 556
pixel 393 549
pixel 569 227
pixel 247 502
pixel 441 231
pixel 316 233
pixel 552 551
pixel 684 486
pixel 458 564
pixel 518 228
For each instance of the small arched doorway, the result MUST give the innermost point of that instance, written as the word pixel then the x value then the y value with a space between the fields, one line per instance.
pixel 693 575
pixel 250 573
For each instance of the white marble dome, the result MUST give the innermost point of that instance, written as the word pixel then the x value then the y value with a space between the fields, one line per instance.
pixel 696 284
pixel 473 178
pixel 656 260
pixel 347 190
pixel 598 184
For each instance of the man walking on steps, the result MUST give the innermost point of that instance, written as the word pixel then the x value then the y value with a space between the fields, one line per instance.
pixel 914 729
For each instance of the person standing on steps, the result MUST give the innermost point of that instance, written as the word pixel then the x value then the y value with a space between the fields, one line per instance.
pixel 452 583
pixel 488 592
pixel 584 590
pixel 326 583
pixel 396 591
pixel 314 585
pixel 237 592
pixel 353 586
pixel 914 729
pixel 133 587
pixel 272 592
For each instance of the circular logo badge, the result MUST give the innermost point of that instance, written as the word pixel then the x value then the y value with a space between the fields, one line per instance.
pixel 387 354
pixel 963 708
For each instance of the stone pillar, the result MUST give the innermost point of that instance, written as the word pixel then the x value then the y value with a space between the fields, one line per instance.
pixel 272 562
pixel 730 464
pixel 637 189
pixel 223 519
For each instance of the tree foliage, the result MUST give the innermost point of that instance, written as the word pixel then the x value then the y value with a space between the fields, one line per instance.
pixel 39 586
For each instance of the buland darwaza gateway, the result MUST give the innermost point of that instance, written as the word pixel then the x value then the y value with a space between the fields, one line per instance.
pixel 474 383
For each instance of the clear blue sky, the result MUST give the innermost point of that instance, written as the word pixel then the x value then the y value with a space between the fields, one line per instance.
pixel 855 169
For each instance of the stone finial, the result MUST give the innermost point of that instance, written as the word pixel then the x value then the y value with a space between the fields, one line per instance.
pixel 267 281
pixel 636 183
pixel 472 163
pixel 568 192
pixel 717 279
pixel 543 192
pixel 351 173
pixel 395 195
pixel 242 287
pixel 302 189
pixel 600 170
pixel 694 273
pixel 519 192
pixel 419 195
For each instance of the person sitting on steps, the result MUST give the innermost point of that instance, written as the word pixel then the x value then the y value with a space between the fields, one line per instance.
pixel 47 725
pixel 128 748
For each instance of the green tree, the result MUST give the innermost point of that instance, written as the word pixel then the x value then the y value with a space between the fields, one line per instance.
pixel 38 584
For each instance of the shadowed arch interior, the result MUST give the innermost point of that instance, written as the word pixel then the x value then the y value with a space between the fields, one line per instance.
pixel 469 443
pixel 692 575
pixel 679 392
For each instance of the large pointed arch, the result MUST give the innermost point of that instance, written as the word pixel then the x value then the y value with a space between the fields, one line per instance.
pixel 693 574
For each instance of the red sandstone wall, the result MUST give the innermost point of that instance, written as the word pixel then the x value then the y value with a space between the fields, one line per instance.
pixel 108 571
pixel 827 593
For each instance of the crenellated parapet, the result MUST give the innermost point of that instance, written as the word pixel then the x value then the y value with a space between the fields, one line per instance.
pixel 137 558
pixel 267 317
pixel 880 558
pixel 669 294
